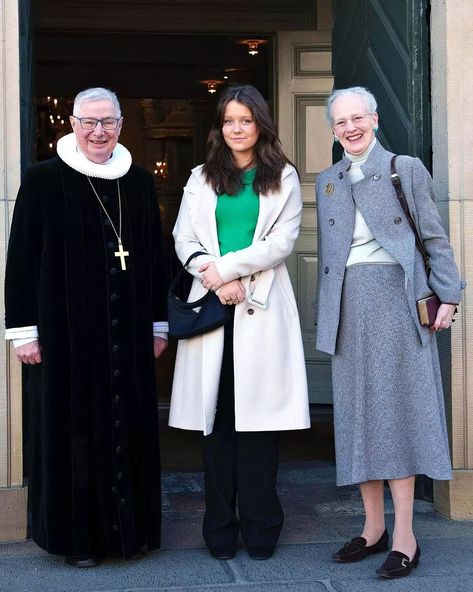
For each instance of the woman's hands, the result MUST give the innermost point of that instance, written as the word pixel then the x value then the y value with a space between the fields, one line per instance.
pixel 232 293
pixel 210 279
pixel 444 317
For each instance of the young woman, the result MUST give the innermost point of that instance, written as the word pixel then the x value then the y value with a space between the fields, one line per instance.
pixel 245 382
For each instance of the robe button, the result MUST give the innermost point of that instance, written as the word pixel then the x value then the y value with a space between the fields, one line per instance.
pixel 250 311
pixel 326 270
pixel 340 175
pixel 123 502
pixel 116 373
pixel 117 424
pixel 111 246
pixel 104 197
pixel 376 177
pixel 119 476
pixel 397 220
pixel 115 348
pixel 331 221
pixel 115 528
pixel 114 489
pixel 113 297
pixel 114 322
pixel 118 450
pixel 113 270
pixel 107 222
pixel 116 399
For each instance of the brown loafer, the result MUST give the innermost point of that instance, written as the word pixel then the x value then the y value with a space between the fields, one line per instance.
pixel 398 565
pixel 356 549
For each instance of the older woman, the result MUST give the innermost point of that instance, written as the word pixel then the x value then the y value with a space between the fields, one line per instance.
pixel 388 400
pixel 243 383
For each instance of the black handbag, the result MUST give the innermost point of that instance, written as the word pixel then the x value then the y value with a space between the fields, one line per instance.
pixel 188 319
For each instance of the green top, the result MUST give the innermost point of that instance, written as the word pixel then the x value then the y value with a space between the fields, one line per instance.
pixel 237 216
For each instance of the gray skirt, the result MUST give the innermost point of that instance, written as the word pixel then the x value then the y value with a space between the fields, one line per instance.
pixel 388 401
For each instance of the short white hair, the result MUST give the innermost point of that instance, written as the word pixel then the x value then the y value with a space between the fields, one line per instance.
pixel 359 91
pixel 96 94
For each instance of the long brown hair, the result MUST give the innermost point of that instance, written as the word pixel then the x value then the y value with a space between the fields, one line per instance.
pixel 220 170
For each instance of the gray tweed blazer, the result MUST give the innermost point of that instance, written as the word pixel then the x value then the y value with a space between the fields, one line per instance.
pixel 376 199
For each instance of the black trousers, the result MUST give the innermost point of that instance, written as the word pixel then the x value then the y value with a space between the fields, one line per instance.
pixel 240 470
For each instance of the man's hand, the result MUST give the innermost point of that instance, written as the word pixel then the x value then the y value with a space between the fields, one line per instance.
pixel 30 353
pixel 210 279
pixel 160 345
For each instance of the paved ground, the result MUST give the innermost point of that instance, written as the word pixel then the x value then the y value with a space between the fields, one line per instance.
pixel 319 517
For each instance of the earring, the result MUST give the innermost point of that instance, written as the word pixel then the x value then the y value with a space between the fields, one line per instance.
pixel 375 129
pixel 335 139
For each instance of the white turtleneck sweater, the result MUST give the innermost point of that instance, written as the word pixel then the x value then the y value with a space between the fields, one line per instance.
pixel 364 247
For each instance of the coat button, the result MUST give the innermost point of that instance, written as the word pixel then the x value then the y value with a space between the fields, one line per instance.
pixel 116 373
pixel 252 278
pixel 250 311
pixel 114 322
pixel 115 528
pixel 111 246
pixel 115 348
pixel 326 270
pixel 331 221
pixel 116 399
pixel 104 197
pixel 107 222
pixel 113 270
pixel 118 450
pixel 376 177
pixel 114 489
pixel 117 424
pixel 119 476
pixel 397 220
pixel 113 297
pixel 340 175
pixel 123 502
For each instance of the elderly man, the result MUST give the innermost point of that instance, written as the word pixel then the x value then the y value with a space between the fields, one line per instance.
pixel 85 306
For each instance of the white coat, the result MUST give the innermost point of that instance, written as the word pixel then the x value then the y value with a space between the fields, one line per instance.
pixel 270 375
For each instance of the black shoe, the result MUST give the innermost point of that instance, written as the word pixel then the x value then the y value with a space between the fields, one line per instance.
pixel 261 553
pixel 223 551
pixel 398 565
pixel 83 561
pixel 356 549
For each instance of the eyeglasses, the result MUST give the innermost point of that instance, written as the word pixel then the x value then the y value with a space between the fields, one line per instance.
pixel 90 123
pixel 356 120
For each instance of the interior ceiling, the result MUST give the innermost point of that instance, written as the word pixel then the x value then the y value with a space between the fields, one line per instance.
pixel 159 49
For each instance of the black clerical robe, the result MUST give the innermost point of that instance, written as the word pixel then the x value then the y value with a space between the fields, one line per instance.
pixel 94 475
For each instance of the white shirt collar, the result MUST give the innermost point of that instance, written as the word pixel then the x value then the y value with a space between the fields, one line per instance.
pixel 115 167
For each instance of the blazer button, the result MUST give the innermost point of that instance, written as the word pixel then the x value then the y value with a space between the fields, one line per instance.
pixel 326 270
pixel 376 177
pixel 331 221
pixel 250 311
pixel 340 175
pixel 397 220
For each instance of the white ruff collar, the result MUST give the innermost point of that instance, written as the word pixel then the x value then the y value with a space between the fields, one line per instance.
pixel 114 168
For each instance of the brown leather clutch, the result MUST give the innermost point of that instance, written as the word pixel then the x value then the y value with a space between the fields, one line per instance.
pixel 427 309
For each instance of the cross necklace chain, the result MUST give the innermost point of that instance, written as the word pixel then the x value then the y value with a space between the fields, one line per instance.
pixel 121 252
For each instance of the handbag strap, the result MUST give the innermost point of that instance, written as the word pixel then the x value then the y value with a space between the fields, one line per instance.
pixel 396 181
pixel 176 279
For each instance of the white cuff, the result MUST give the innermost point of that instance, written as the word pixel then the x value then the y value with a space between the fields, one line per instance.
pixel 30 333
pixel 161 329
pixel 20 342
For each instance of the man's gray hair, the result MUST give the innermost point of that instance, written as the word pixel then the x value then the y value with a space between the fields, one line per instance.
pixel 96 94
pixel 359 91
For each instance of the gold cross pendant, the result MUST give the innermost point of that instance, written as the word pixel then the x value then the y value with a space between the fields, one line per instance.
pixel 122 254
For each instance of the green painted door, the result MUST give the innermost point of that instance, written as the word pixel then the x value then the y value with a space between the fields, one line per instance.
pixel 384 45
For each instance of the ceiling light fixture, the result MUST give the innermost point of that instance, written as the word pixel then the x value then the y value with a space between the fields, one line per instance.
pixel 253 45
